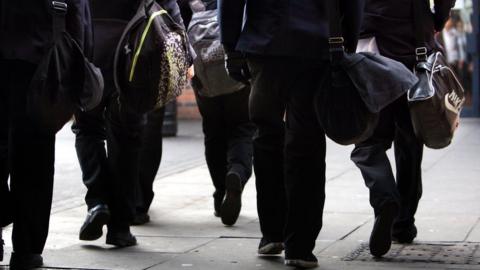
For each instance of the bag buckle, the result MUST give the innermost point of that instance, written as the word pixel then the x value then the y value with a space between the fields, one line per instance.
pixel 336 40
pixel 59 7
pixel 336 44
pixel 421 53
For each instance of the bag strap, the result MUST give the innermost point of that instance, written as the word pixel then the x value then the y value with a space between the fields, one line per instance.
pixel 421 50
pixel 336 40
pixel 197 6
pixel 59 11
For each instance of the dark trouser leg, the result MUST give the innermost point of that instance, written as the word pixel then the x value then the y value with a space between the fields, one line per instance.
pixel 5 204
pixel 31 154
pixel 371 158
pixel 124 130
pixel 240 134
pixel 267 110
pixel 408 156
pixel 215 131
pixel 89 128
pixel 150 158
pixel 305 151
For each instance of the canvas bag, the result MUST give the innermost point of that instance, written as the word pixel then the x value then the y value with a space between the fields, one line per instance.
pixel 64 81
pixel 358 87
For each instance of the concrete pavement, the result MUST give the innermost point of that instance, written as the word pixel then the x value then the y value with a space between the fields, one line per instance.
pixel 184 234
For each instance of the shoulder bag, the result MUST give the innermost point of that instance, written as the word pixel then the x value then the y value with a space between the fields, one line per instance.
pixel 360 85
pixel 437 99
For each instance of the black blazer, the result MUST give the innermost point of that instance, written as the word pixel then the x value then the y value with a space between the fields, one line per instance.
pixel 391 23
pixel 26 28
pixel 285 27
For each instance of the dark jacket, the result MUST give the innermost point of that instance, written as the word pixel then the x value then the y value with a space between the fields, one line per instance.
pixel 391 22
pixel 26 28
pixel 285 27
pixel 187 13
pixel 125 9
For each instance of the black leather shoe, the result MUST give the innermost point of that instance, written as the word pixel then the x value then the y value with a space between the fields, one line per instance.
pixel 25 261
pixel 405 236
pixel 232 204
pixel 305 262
pixel 140 219
pixel 217 202
pixel 121 238
pixel 381 237
pixel 92 228
pixel 1 244
pixel 270 248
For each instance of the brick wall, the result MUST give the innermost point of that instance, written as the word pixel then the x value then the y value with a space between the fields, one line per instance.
pixel 187 106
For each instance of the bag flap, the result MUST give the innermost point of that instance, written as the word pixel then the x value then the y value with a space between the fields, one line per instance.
pixel 379 80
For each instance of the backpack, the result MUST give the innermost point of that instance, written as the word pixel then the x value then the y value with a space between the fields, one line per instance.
pixel 151 59
pixel 204 36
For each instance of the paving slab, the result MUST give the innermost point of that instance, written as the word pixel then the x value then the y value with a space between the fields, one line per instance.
pixel 94 257
pixel 228 254
pixel 474 235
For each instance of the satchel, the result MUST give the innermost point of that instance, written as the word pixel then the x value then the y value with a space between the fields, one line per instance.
pixel 64 81
pixel 204 35
pixel 436 101
pixel 359 86
pixel 151 59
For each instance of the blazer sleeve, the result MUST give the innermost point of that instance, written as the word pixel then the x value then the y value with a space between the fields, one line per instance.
pixel 442 10
pixel 79 25
pixel 172 8
pixel 185 11
pixel 231 14
pixel 352 11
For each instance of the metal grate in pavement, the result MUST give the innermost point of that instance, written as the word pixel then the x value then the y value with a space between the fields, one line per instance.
pixel 441 253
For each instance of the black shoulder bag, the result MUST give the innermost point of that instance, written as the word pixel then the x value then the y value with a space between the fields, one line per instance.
pixel 65 80
pixel 360 85
pixel 437 99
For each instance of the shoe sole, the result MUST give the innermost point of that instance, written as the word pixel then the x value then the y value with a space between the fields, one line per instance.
pixel 121 243
pixel 271 249
pixel 93 229
pixel 26 264
pixel 301 264
pixel 232 204
pixel 381 237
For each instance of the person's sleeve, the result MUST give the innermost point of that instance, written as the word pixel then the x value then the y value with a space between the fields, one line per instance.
pixel 231 14
pixel 185 11
pixel 88 45
pixel 172 8
pixel 352 11
pixel 442 10
pixel 79 25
